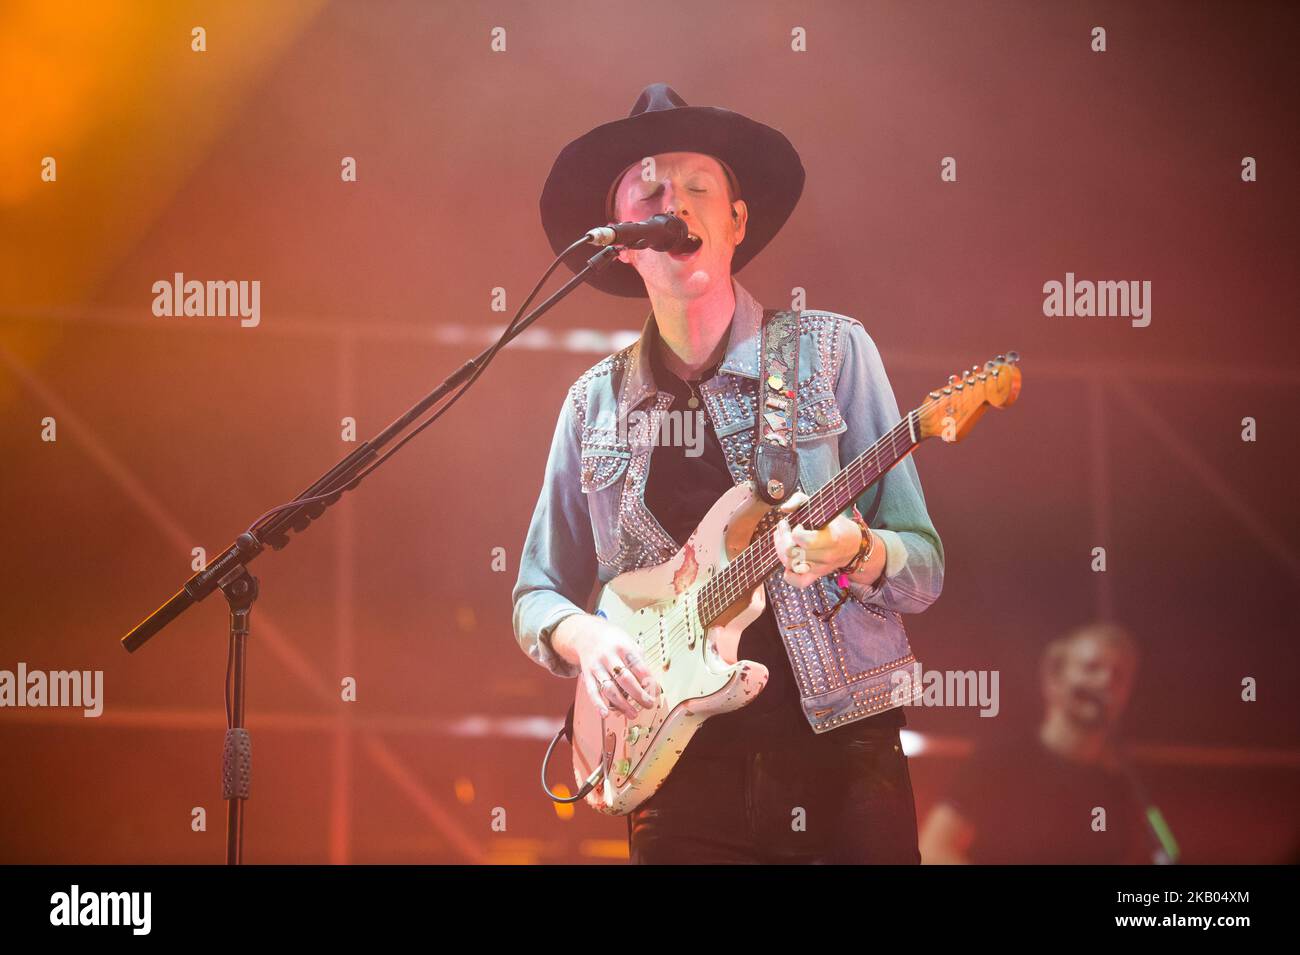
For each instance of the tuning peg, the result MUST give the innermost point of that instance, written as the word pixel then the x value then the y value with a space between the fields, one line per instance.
pixel 1000 359
pixel 982 376
pixel 934 394
pixel 1013 356
pixel 952 379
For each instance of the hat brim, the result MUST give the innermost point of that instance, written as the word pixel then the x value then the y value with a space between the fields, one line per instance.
pixel 766 165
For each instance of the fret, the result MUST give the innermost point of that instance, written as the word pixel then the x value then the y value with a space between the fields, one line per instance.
pixel 759 559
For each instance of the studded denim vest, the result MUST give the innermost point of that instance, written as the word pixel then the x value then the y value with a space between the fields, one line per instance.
pixel 856 663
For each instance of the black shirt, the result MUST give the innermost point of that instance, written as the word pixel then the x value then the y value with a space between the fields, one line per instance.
pixel 679 491
pixel 1029 805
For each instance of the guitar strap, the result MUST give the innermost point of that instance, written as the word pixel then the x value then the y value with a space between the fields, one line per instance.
pixel 776 413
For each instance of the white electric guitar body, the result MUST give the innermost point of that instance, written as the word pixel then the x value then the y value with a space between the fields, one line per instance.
pixel 687 614
pixel 697 668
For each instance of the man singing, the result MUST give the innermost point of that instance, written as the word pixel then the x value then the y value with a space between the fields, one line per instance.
pixel 811 770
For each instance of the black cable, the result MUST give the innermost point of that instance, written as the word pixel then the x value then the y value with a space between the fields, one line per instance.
pixel 586 788
pixel 230 666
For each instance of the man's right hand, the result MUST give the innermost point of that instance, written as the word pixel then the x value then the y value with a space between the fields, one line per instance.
pixel 613 671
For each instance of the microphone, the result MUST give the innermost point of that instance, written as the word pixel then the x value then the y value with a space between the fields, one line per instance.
pixel 662 233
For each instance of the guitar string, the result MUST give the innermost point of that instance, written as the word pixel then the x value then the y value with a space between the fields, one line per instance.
pixel 757 558
pixel 725 589
pixel 711 601
pixel 720 593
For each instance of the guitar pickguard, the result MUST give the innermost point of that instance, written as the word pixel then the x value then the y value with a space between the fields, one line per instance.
pixel 697 669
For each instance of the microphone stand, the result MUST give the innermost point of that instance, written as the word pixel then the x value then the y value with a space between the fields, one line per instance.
pixel 229 571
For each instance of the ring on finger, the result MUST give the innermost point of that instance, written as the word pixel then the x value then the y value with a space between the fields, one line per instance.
pixel 622 693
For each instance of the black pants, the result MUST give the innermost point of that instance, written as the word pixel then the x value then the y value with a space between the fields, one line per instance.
pixel 831 799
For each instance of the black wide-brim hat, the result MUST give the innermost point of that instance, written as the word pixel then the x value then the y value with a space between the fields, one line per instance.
pixel 766 167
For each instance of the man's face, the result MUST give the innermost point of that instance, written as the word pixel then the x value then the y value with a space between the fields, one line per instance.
pixel 693 187
pixel 1093 682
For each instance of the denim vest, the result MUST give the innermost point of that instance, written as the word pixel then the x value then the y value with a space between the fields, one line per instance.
pixel 591 523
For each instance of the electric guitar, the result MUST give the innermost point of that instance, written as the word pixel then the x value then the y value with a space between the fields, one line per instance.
pixel 687 614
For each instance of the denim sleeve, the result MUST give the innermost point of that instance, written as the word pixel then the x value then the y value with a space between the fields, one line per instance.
pixel 558 565
pixel 894 507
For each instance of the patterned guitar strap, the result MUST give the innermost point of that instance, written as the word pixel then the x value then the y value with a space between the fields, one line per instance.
pixel 776 454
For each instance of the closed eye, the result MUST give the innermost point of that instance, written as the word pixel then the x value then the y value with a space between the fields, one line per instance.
pixel 654 195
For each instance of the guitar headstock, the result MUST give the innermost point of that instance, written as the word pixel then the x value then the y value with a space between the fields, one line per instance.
pixel 951 411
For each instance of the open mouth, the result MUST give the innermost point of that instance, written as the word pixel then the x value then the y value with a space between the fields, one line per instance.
pixel 683 256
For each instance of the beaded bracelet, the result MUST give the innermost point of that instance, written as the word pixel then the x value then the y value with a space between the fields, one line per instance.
pixel 865 548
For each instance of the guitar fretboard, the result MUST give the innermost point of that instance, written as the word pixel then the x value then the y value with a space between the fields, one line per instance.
pixel 759 559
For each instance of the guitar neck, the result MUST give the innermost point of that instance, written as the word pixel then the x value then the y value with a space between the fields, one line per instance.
pixel 759 559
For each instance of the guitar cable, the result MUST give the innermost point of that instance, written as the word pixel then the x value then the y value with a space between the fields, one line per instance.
pixel 592 781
